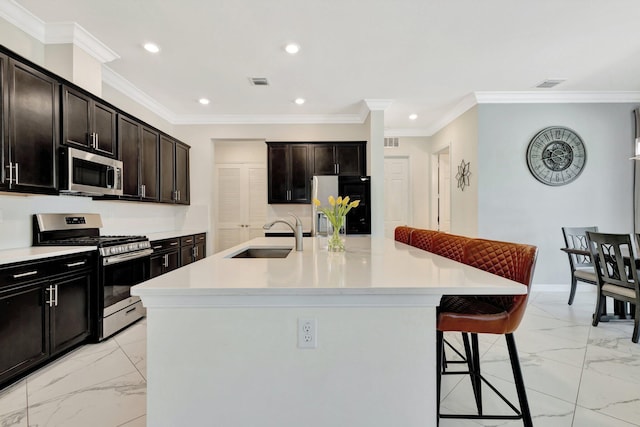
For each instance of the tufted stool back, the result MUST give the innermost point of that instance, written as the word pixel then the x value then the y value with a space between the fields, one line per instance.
pixel 449 245
pixel 423 239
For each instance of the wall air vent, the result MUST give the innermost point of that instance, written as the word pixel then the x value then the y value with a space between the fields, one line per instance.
pixel 391 142
pixel 259 81
pixel 549 83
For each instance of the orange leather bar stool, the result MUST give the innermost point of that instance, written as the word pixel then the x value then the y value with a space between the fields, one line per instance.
pixel 489 315
pixel 449 245
pixel 403 233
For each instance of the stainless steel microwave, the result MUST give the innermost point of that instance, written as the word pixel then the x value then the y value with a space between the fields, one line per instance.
pixel 88 174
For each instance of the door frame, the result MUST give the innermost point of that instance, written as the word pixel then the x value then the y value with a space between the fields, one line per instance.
pixel 434 185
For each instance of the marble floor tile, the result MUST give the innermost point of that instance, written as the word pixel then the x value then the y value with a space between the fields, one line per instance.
pixel 13 405
pixel 107 404
pixel 587 417
pixel 88 366
pixel 138 422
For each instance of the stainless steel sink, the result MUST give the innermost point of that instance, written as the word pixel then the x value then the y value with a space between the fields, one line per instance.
pixel 263 253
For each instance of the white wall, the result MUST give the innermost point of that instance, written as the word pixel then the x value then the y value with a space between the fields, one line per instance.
pixel 461 136
pixel 514 206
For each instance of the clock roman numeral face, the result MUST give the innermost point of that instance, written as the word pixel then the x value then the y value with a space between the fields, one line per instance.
pixel 556 156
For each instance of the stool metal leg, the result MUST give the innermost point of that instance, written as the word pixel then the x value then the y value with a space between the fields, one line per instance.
pixel 517 376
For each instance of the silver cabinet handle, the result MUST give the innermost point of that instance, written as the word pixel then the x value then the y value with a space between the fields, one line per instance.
pixel 338 167
pixel 16 166
pixel 143 190
pixel 50 295
pixel 97 140
pixel 76 264
pixel 189 241
pixel 173 243
pixel 29 273
pixel 335 169
pixel 157 247
pixel 56 296
pixel 10 172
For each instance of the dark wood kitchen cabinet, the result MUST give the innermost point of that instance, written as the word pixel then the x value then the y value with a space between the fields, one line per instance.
pixel 45 309
pixel 174 171
pixel 289 175
pixel 192 248
pixel 342 158
pixel 30 114
pixel 87 123
pixel 138 147
pixel 165 257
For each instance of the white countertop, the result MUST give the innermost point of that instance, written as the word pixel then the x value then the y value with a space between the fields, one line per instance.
pixel 370 266
pixel 9 256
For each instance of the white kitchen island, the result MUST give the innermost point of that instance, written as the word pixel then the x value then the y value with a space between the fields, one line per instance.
pixel 222 335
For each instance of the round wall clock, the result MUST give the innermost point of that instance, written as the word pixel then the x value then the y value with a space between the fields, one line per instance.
pixel 556 155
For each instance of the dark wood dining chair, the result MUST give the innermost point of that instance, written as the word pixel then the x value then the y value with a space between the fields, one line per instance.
pixel 614 260
pixel 582 268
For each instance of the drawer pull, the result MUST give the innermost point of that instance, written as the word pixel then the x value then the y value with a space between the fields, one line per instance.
pixel 130 310
pixel 189 241
pixel 173 243
pixel 28 273
pixel 157 247
pixel 76 264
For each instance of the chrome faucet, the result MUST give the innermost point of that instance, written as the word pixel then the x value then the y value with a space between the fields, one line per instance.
pixel 297 230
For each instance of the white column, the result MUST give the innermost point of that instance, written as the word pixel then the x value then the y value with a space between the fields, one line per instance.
pixel 375 159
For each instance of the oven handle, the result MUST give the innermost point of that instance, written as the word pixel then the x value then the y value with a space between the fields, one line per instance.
pixel 114 259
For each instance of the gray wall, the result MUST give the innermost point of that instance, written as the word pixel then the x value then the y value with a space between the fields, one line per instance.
pixel 513 205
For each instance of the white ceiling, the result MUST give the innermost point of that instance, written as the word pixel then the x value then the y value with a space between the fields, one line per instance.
pixel 427 56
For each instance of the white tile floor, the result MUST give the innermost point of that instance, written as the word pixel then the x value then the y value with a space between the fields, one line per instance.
pixel 576 375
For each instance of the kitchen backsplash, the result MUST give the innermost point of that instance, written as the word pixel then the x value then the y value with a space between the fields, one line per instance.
pixel 118 217
pixel 282 211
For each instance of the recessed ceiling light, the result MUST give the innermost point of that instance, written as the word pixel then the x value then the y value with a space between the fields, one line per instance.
pixel 203 101
pixel 413 116
pixel 299 101
pixel 152 47
pixel 292 48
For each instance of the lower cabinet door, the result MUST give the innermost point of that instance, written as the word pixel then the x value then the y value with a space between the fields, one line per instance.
pixel 157 265
pixel 70 315
pixel 186 255
pixel 24 323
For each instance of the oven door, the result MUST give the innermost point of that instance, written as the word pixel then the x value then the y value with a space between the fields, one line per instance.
pixel 119 273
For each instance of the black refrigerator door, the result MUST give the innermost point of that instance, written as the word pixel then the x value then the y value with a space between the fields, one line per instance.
pixel 357 188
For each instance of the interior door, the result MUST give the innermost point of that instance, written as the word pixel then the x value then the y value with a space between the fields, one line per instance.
pixel 241 203
pixel 396 193
pixel 444 191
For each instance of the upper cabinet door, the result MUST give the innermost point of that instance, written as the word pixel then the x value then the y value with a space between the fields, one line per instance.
pixel 149 156
pixel 33 130
pixel 289 178
pixel 167 169
pixel 300 177
pixel 182 174
pixel 87 123
pixel 323 159
pixel 350 159
pixel 129 134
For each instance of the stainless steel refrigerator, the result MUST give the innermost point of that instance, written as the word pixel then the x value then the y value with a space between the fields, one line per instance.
pixel 358 220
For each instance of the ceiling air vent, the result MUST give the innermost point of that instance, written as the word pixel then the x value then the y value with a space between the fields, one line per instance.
pixel 391 142
pixel 259 81
pixel 549 83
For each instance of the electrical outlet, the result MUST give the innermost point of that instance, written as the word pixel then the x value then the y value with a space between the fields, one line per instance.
pixel 307 333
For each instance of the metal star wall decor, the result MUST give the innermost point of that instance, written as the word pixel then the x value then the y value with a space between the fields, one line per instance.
pixel 463 175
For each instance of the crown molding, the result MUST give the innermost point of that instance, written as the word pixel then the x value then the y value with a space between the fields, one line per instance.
pixel 23 19
pixel 556 97
pixel 467 102
pixel 71 32
pixel 377 104
pixel 123 85
pixel 55 32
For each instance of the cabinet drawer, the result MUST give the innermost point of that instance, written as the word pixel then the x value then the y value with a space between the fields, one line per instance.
pixel 27 272
pixel 163 245
pixel 187 240
pixel 201 238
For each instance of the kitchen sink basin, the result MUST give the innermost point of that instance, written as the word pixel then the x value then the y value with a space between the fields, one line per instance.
pixel 263 253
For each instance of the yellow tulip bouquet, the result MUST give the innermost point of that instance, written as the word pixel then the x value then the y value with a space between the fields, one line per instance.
pixel 336 213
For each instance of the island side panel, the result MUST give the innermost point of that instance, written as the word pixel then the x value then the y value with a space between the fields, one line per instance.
pixel 373 366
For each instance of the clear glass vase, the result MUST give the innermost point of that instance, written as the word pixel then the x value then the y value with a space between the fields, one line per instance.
pixel 335 236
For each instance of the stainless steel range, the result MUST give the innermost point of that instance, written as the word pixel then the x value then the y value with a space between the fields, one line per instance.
pixel 124 261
